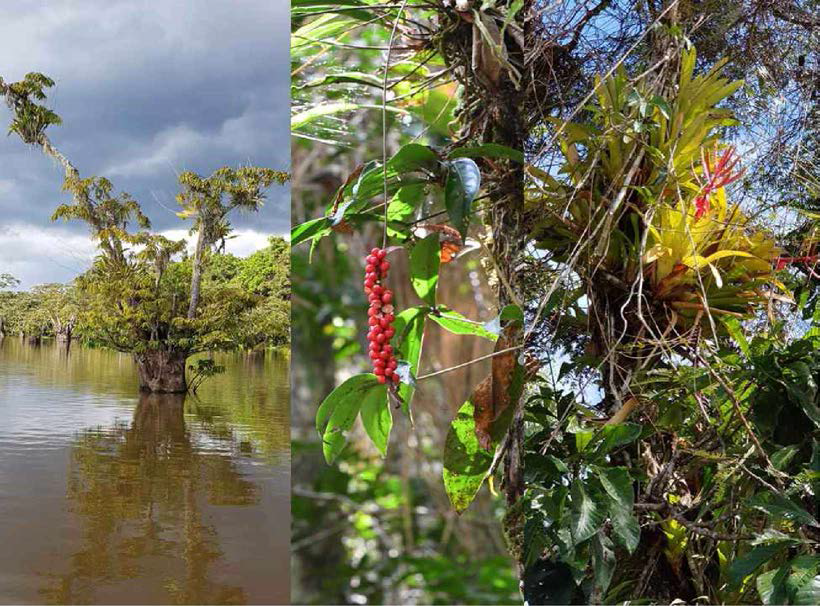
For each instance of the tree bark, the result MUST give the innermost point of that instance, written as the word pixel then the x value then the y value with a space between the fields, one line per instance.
pixel 162 371
pixel 196 274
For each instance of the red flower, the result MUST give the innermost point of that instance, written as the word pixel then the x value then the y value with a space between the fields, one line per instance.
pixel 720 176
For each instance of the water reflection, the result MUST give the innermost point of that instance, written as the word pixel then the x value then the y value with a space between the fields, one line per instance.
pixel 139 490
pixel 120 498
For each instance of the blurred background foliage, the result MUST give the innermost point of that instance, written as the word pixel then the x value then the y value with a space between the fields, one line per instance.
pixel 373 530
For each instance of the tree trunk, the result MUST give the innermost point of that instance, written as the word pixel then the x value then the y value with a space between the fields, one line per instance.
pixel 33 339
pixel 162 371
pixel 63 335
pixel 196 274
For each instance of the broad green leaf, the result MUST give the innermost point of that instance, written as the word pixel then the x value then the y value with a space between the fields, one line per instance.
pixel 465 463
pixel 586 514
pixel 615 435
pixel 771 585
pixel 309 230
pixel 424 266
pixel 488 150
pixel 455 323
pixel 801 584
pixel 754 559
pixel 409 326
pixel 461 187
pixel 377 417
pixel 339 410
pixel 780 458
pixel 780 507
pixel 618 485
pixel 414 157
pixel 808 594
pixel 603 561
pixel 405 202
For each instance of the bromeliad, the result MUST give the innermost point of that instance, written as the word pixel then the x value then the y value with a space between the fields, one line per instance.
pixel 713 180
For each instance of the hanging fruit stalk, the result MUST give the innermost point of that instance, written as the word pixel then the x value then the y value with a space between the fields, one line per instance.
pixel 380 316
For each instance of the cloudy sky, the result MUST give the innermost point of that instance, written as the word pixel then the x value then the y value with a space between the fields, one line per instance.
pixel 146 89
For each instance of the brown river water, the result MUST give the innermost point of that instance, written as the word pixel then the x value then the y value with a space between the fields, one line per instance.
pixel 110 497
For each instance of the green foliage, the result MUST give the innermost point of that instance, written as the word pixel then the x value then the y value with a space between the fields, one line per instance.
pixel 466 464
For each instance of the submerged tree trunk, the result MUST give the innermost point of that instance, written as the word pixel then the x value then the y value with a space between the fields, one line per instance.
pixel 162 371
pixel 33 339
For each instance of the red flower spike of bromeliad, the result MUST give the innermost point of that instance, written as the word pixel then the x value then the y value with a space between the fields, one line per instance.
pixel 380 317
pixel 715 178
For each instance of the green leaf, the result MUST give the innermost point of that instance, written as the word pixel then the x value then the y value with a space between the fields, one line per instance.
pixel 465 463
pixel 339 410
pixel 409 326
pixel 348 77
pixel 377 417
pixel 662 106
pixel 615 435
pixel 461 187
pixel 424 266
pixel 455 323
pixel 781 508
pixel 780 458
pixel 618 485
pixel 304 118
pixel 603 561
pixel 735 330
pixel 772 585
pixel 754 559
pixel 808 594
pixel 414 157
pixel 309 230
pixel 801 584
pixel 488 150
pixel 586 514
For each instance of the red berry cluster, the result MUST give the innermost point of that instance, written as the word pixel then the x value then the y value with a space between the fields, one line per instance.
pixel 380 316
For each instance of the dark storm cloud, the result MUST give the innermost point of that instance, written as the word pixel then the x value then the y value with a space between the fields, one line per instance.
pixel 146 89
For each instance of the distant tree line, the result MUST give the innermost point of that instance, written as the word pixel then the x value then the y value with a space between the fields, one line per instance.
pixel 259 286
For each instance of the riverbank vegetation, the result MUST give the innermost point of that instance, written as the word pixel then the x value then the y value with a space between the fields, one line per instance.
pixel 68 312
pixel 144 295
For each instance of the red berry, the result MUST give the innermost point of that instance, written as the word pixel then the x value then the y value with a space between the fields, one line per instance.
pixel 384 266
pixel 372 260
pixel 378 289
pixel 374 320
pixel 369 269
pixel 384 323
pixel 387 348
pixel 388 372
pixel 393 363
pixel 379 362
pixel 372 311
pixel 384 355
pixel 381 379
pixel 389 332
pixel 386 297
pixel 375 251
pixel 378 370
pixel 389 318
pixel 396 378
pixel 380 338
pixel 380 253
